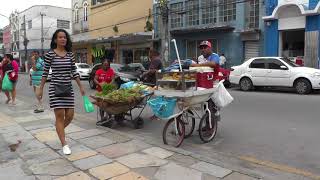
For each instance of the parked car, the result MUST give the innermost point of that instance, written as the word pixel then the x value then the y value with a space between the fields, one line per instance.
pixel 83 69
pixel 275 72
pixel 124 74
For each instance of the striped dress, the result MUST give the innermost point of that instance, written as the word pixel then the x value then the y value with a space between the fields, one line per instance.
pixel 63 71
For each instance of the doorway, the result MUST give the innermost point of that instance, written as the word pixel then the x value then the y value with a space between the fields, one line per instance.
pixel 292 43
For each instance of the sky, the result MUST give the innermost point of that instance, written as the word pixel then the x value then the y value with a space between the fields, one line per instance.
pixel 7 6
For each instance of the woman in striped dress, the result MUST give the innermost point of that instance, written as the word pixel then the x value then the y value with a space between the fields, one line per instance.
pixel 62 62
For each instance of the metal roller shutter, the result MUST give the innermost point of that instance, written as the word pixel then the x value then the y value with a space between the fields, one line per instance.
pixel 251 49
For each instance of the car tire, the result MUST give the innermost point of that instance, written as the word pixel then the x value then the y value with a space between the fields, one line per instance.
pixel 227 84
pixel 92 84
pixel 246 84
pixel 303 86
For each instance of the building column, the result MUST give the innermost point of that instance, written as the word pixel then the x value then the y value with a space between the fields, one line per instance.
pixel 312 51
pixel 271 38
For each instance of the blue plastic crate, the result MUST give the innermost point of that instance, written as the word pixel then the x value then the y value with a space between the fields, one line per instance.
pixel 162 107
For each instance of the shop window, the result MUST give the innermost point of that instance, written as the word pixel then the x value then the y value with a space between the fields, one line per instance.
pixel 193 51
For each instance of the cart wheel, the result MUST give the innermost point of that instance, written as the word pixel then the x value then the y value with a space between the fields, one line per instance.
pixel 189 122
pixel 138 123
pixel 205 132
pixel 170 134
pixel 119 118
pixel 107 123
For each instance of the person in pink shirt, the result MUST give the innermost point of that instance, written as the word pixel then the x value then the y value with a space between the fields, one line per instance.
pixel 1 75
pixel 12 68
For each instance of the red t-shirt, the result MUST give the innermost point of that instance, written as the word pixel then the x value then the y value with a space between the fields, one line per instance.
pixel 104 77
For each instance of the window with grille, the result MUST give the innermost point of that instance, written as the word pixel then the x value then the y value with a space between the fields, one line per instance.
pixel 253 14
pixel 209 11
pixel 63 24
pixel 192 7
pixel 30 24
pixel 227 10
pixel 85 11
pixel 76 14
pixel 176 16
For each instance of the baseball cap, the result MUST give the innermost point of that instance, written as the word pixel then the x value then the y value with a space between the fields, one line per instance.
pixel 205 43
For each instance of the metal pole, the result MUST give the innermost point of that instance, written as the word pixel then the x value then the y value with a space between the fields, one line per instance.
pixel 42 39
pixel 25 42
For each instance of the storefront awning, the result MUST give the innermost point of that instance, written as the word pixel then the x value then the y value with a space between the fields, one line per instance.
pixel 128 38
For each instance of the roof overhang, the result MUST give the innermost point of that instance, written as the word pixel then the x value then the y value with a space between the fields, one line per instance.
pixel 128 38
pixel 303 10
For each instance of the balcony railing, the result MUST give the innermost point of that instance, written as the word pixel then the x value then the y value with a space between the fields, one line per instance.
pixel 82 26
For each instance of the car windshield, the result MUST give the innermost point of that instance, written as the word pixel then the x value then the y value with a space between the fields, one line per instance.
pixel 83 66
pixel 131 68
pixel 116 67
pixel 289 62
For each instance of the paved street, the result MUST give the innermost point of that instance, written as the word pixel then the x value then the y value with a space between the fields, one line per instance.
pixel 270 132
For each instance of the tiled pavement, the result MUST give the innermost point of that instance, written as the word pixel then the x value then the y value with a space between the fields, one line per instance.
pixel 98 153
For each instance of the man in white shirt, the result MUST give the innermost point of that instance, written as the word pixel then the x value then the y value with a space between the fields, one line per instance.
pixel 223 60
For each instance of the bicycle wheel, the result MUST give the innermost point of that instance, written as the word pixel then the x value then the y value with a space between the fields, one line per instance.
pixel 189 122
pixel 205 132
pixel 173 134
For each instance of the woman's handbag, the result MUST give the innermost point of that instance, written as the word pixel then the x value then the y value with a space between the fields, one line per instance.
pixel 63 90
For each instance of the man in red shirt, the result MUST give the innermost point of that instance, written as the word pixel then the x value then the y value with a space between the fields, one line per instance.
pixel 104 75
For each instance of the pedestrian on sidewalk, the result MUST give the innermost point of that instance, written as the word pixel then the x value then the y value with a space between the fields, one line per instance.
pixel 10 67
pixel 62 62
pixel 1 75
pixel 223 61
pixel 36 76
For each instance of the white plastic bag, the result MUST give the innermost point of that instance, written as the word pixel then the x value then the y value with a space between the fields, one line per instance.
pixel 221 96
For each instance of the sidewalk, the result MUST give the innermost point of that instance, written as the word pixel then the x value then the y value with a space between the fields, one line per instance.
pixel 97 153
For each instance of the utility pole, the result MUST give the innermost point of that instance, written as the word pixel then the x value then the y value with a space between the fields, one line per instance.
pixel 42 38
pixel 164 30
pixel 25 41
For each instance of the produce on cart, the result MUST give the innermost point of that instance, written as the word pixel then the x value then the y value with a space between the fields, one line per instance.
pixel 120 103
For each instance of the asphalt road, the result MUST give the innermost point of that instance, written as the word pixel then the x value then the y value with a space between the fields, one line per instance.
pixel 280 127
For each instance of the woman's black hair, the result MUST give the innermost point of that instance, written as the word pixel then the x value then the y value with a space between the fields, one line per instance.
pixel 53 44
pixel 9 56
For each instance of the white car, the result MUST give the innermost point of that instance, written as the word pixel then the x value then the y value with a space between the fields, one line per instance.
pixel 84 70
pixel 277 72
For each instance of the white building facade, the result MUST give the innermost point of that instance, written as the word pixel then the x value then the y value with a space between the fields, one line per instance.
pixel 31 19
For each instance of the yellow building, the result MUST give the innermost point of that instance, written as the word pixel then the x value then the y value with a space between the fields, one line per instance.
pixel 80 31
pixel 121 26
